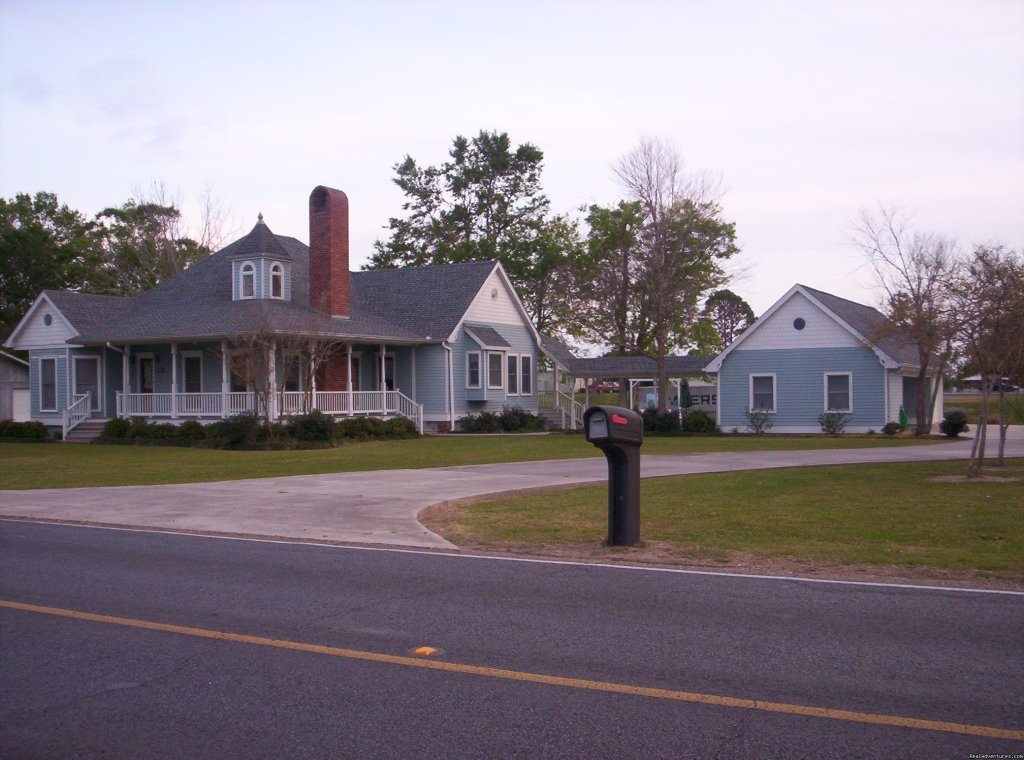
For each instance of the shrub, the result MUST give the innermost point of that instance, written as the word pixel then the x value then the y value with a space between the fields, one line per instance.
pixel 699 421
pixel 515 418
pixel 117 429
pixel 400 427
pixel 360 428
pixel 833 423
pixel 237 430
pixel 654 422
pixel 27 431
pixel 954 423
pixel 192 430
pixel 485 422
pixel 758 421
pixel 891 428
pixel 315 426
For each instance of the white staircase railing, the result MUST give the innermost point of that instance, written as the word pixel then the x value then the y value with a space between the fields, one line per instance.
pixel 570 409
pixel 76 413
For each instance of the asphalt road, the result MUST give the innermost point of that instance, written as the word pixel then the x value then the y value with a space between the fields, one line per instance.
pixel 507 630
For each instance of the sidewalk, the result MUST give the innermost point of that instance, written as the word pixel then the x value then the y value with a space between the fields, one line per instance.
pixel 381 507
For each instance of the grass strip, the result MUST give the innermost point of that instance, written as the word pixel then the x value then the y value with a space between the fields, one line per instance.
pixel 891 514
pixel 27 465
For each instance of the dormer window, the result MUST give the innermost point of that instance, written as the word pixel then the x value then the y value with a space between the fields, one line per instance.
pixel 277 281
pixel 247 276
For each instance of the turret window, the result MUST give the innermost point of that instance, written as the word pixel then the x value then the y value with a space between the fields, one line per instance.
pixel 247 275
pixel 277 281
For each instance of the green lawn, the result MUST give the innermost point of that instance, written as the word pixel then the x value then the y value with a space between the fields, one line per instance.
pixel 970 403
pixel 24 465
pixel 889 514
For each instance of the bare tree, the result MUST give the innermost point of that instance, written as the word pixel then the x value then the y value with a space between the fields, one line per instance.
pixel 916 270
pixel 992 305
pixel 683 241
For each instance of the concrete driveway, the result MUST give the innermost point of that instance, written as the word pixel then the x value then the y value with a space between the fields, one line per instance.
pixel 381 507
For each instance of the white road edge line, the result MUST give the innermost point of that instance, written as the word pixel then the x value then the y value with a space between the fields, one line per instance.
pixel 441 553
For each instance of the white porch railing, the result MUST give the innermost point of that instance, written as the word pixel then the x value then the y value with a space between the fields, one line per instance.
pixel 334 403
pixel 570 409
pixel 76 413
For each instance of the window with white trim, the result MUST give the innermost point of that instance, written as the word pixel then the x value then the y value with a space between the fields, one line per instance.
pixel 473 369
pixel 838 392
pixel 762 393
pixel 48 385
pixel 247 280
pixel 512 375
pixel 526 375
pixel 495 369
pixel 276 281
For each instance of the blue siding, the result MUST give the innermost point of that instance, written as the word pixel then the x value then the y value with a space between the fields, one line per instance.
pixel 35 385
pixel 521 341
pixel 431 378
pixel 800 385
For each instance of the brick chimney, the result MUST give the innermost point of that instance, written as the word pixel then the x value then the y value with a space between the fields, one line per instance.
pixel 328 251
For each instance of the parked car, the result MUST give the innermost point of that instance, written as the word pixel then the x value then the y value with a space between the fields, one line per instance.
pixel 604 387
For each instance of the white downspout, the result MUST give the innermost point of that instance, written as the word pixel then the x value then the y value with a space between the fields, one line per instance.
pixel 451 385
pixel 174 381
pixel 225 380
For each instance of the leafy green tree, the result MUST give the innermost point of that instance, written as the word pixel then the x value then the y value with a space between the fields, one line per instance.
pixel 729 314
pixel 611 309
pixel 43 245
pixel 486 203
pixel 143 246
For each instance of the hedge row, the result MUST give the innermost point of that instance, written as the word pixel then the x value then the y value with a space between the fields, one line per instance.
pixel 250 431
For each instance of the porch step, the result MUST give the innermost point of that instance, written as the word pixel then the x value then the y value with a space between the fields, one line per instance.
pixel 552 418
pixel 86 431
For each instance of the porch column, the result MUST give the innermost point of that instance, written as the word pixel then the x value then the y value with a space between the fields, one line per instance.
pixel 312 386
pixel 348 359
pixel 174 381
pixel 125 380
pixel 225 379
pixel 272 370
pixel 383 385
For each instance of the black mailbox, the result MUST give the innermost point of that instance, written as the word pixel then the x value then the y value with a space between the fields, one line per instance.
pixel 619 433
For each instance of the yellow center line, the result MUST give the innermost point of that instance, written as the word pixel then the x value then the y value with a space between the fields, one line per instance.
pixel 517 675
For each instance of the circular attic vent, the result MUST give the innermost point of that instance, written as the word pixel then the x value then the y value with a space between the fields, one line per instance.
pixel 47 319
pixel 799 324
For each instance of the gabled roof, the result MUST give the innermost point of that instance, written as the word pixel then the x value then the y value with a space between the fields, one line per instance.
pixel 620 366
pixel 82 312
pixel 869 326
pixel 415 305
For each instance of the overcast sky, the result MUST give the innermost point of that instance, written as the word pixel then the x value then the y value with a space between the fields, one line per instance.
pixel 808 111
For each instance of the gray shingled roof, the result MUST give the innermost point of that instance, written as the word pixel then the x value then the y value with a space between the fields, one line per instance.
pixel 486 336
pixel 85 311
pixel 421 304
pixel 621 366
pixel 872 325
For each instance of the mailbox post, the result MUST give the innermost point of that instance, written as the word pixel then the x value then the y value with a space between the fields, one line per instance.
pixel 619 433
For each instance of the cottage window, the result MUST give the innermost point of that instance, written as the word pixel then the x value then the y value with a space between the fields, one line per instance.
pixel 48 385
pixel 247 276
pixel 838 396
pixel 512 387
pixel 525 375
pixel 762 393
pixel 495 369
pixel 276 281
pixel 473 369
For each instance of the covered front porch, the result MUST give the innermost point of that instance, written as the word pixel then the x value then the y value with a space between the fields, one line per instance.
pixel 209 381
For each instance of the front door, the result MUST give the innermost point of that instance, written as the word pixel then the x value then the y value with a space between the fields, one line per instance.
pixel 146 374
pixel 87 379
pixel 389 373
pixel 193 374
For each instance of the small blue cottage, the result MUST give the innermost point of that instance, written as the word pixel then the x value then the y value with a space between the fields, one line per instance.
pixel 813 352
